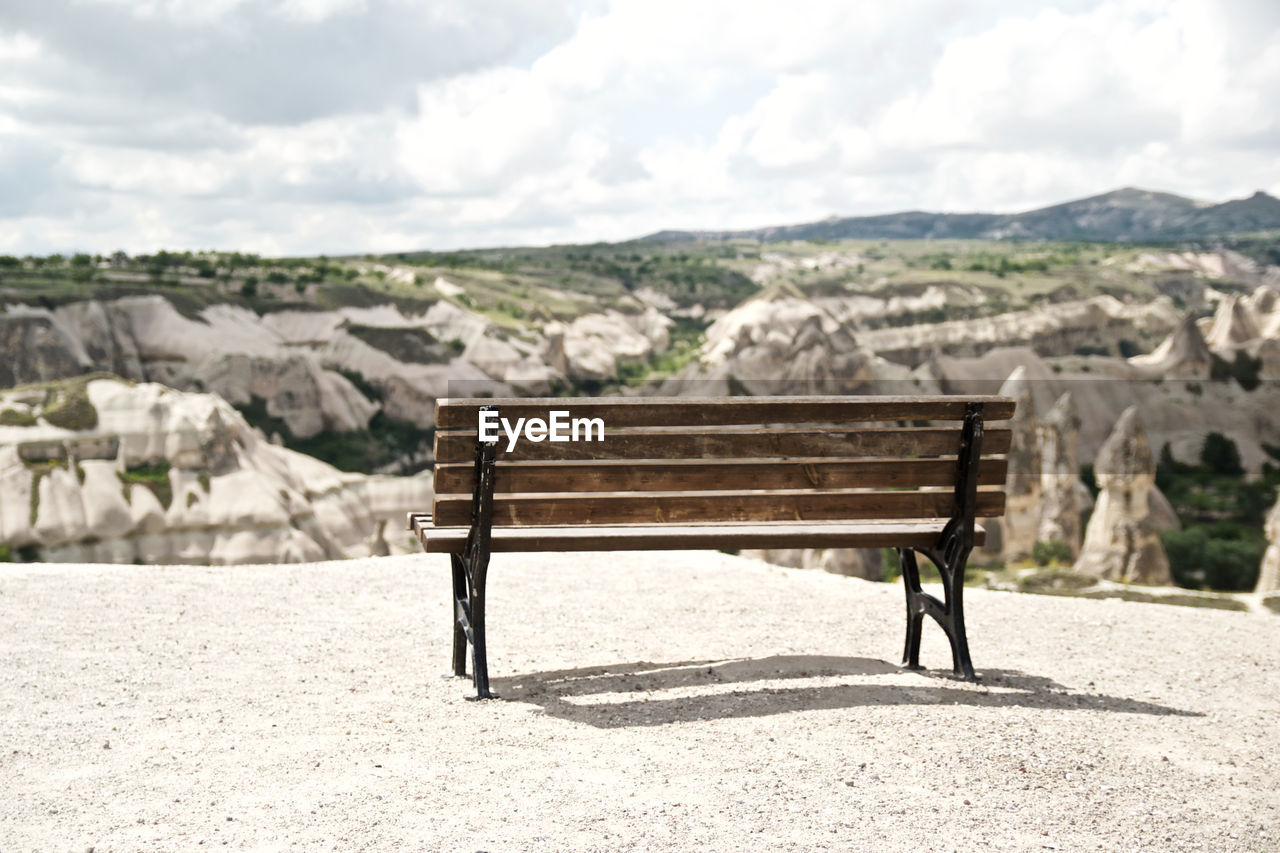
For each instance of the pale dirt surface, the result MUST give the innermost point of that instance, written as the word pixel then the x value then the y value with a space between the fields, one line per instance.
pixel 651 701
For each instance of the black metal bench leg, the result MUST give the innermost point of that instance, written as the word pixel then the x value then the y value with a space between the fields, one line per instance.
pixel 915 613
pixel 470 570
pixel 949 614
pixel 468 621
pixel 960 663
pixel 479 656
pixel 459 632
pixel 950 555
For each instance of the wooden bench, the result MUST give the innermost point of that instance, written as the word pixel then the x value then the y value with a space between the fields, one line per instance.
pixel 724 473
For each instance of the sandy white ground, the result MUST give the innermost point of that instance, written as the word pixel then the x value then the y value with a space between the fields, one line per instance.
pixel 682 701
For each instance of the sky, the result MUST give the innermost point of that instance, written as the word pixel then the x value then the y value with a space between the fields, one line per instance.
pixel 339 126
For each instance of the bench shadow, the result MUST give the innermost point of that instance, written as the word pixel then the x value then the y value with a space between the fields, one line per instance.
pixel 624 690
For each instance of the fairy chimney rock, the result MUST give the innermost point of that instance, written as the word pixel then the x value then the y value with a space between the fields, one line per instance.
pixel 1060 508
pixel 1122 542
pixel 1234 324
pixel 1269 576
pixel 1012 536
pixel 1184 352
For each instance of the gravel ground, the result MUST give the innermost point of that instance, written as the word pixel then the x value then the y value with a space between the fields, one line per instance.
pixel 650 701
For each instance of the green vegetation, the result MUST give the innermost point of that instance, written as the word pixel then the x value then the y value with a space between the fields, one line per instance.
pixel 685 339
pixel 384 442
pixel 1244 370
pixel 16 418
pixel 1263 248
pixel 39 470
pixel 1217 556
pixel 1053 552
pixel 1055 580
pixel 66 402
pixel 22 554
pixel 1067 582
pixel 363 385
pixel 1220 545
pixel 71 408
pixel 891 567
pixel 33 503
pixel 1212 602
pixel 409 345
pixel 520 289
pixel 1220 455
pixel 193 281
pixel 686 274
pixel 154 477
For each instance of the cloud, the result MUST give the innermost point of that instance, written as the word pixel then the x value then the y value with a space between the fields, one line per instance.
pixel 279 62
pixel 351 125
pixel 30 176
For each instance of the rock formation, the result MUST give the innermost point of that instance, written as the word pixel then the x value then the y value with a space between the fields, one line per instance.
pixel 1161 512
pixel 783 343
pixel 1012 536
pixel 1051 330
pixel 592 345
pixel 1265 304
pixel 34 349
pixel 1122 542
pixel 1178 412
pixel 1235 324
pixel 379 547
pixel 1269 574
pixel 1060 509
pixel 294 388
pixel 295 361
pixel 171 477
pixel 1183 354
pixel 865 563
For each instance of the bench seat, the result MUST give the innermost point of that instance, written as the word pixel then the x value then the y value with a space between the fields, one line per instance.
pixel 713 536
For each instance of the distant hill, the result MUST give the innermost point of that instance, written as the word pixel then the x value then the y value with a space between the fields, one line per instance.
pixel 1123 216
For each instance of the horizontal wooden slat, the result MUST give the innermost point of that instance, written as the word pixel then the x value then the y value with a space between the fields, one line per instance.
pixel 685 411
pixel 447 540
pixel 688 475
pixel 675 508
pixel 758 443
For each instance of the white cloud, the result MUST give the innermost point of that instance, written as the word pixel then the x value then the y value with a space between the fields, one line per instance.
pixel 351 125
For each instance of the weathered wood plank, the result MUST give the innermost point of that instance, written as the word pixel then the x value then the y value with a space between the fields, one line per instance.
pixel 607 508
pixel 695 475
pixel 732 443
pixel 445 540
pixel 723 411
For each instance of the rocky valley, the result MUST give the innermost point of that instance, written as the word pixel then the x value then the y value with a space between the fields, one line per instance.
pixel 284 406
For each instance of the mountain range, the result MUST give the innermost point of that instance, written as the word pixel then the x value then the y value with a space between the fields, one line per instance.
pixel 1126 215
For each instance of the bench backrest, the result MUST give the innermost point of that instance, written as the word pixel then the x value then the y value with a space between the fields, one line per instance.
pixel 677 460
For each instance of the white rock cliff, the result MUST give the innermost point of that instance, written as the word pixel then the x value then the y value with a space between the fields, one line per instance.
pixel 217 491
pixel 1122 541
